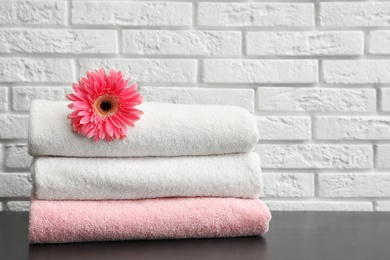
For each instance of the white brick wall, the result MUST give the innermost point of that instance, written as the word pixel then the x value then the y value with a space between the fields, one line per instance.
pixel 368 71
pixel 297 99
pixel 316 74
pixel 327 43
pixel 259 71
pixel 211 96
pixel 134 13
pixel 15 185
pixel 318 156
pixel 255 14
pixel 148 70
pixel 58 41
pixel 16 156
pixel 354 13
pixel 164 42
pixel 284 127
pixel 33 13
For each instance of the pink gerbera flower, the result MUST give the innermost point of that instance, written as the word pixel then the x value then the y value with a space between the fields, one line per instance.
pixel 104 105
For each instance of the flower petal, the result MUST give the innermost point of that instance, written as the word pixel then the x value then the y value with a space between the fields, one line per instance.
pixel 80 105
pixel 109 127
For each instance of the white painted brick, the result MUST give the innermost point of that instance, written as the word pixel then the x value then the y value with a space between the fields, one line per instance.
pixel 3 99
pixel 132 13
pixel 260 71
pixel 360 14
pixel 16 156
pixel 315 156
pixel 305 43
pixel 319 206
pixel 352 128
pixel 379 42
pixel 316 99
pixel 13 126
pixel 212 43
pixel 354 185
pixel 18 205
pixel 15 185
pixel 284 127
pixel 22 96
pixel 382 156
pixel 209 96
pixel 36 70
pixel 32 12
pixel 147 70
pixel 382 205
pixel 256 14
pixel 385 99
pixel 356 71
pixel 58 41
pixel 285 185
pixel 41 47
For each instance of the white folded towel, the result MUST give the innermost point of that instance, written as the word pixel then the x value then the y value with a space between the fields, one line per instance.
pixel 61 178
pixel 163 130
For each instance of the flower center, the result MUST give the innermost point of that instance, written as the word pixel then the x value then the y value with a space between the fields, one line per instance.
pixel 106 105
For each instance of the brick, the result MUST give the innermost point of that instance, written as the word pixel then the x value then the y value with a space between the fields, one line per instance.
pixel 13 126
pixel 132 13
pixel 147 70
pixel 15 185
pixel 36 70
pixel 208 96
pixel 359 14
pixel 16 156
pixel 379 42
pixel 382 156
pixel 3 99
pixel 316 99
pixel 18 205
pixel 352 128
pixel 58 41
pixel 32 12
pixel 319 206
pixel 256 14
pixel 22 96
pixel 385 99
pixel 356 71
pixel 260 71
pixel 286 185
pixel 382 205
pixel 313 156
pixel 305 43
pixel 284 127
pixel 354 185
pixel 212 43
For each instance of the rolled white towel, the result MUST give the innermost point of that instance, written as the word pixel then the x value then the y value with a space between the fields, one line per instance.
pixel 163 130
pixel 64 178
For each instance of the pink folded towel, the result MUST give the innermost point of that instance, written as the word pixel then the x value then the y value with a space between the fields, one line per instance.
pixel 77 221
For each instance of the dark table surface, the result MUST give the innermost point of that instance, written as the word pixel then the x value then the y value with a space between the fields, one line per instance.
pixel 292 235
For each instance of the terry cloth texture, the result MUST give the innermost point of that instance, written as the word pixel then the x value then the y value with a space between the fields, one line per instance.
pixel 65 178
pixel 73 221
pixel 164 130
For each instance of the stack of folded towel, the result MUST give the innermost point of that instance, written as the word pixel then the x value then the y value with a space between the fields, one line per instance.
pixel 184 171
